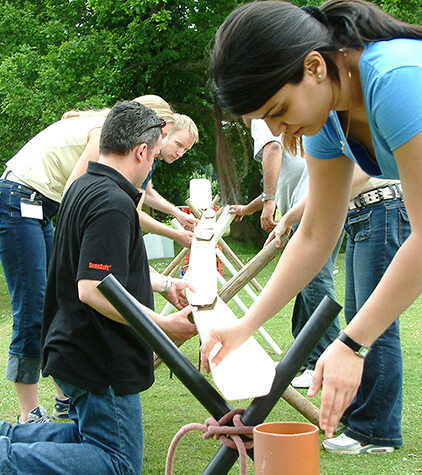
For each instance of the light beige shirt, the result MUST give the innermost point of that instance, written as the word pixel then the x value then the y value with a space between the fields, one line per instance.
pixel 46 161
pixel 377 183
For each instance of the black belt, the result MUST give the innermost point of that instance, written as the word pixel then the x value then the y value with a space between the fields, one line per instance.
pixel 8 175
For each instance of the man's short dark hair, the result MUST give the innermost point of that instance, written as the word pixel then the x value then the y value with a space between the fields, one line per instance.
pixel 123 128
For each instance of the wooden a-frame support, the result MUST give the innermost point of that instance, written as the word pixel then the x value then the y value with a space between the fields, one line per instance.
pixel 245 275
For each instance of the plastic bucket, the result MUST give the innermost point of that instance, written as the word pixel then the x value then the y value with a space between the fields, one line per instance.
pixel 286 448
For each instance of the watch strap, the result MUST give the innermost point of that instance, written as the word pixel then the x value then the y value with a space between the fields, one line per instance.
pixel 169 284
pixel 359 348
pixel 267 197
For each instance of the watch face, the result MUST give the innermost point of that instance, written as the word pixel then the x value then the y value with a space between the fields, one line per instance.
pixel 363 351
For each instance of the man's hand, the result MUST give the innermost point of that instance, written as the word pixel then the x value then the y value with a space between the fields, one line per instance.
pixel 267 216
pixel 184 238
pixel 176 295
pixel 188 221
pixel 177 326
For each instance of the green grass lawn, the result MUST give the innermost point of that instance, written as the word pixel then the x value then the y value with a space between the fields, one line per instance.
pixel 168 405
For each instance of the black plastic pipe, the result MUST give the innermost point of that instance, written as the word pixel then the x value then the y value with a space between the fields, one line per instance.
pixel 286 370
pixel 215 404
pixel 132 311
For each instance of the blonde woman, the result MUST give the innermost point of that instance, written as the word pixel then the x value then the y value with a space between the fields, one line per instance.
pixel 31 189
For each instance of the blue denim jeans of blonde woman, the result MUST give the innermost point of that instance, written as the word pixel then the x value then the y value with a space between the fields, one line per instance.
pixel 105 438
pixel 308 300
pixel 375 234
pixel 25 246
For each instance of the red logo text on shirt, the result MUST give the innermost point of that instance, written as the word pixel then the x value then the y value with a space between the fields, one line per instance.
pixel 91 265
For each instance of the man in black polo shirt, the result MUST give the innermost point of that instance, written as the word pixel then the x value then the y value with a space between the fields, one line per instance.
pixel 100 362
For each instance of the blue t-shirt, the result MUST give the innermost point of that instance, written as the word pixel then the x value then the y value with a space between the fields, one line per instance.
pixel 391 76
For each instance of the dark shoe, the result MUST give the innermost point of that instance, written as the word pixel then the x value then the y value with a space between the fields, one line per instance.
pixel 61 409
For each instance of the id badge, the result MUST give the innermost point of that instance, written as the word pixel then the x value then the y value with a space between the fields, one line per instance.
pixel 30 208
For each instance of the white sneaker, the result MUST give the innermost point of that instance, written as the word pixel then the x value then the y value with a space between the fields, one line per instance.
pixel 340 428
pixel 344 445
pixel 304 380
pixel 37 415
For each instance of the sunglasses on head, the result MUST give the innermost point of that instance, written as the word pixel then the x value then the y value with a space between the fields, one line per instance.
pixel 161 125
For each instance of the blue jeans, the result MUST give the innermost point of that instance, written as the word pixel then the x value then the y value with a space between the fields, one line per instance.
pixel 375 234
pixel 105 438
pixel 25 246
pixel 308 300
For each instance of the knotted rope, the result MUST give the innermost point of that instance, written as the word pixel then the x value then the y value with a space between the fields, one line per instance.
pixel 218 430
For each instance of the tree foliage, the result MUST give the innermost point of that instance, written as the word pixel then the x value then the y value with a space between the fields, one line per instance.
pixel 57 55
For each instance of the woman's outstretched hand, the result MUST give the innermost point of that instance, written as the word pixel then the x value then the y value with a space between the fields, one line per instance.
pixel 230 337
pixel 339 373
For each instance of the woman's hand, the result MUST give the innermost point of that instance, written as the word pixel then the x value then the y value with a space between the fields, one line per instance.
pixel 230 337
pixel 339 373
pixel 280 230
pixel 238 210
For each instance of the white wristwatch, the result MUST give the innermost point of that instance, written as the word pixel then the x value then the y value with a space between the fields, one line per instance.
pixel 169 284
pixel 266 197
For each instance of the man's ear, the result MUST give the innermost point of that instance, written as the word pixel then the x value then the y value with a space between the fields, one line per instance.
pixel 141 152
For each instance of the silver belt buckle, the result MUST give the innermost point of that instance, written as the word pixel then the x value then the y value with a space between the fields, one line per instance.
pixel 380 194
pixel 376 195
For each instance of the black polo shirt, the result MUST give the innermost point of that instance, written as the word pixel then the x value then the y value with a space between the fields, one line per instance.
pixel 97 233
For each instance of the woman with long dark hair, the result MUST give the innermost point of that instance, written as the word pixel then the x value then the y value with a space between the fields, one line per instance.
pixel 343 83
